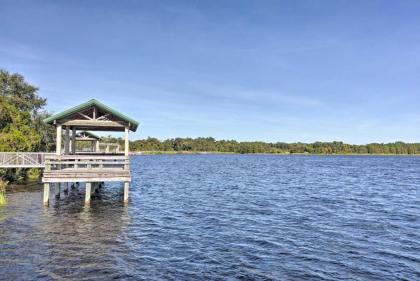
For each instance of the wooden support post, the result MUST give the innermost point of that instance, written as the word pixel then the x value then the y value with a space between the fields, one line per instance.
pixel 126 142
pixel 57 190
pixel 46 193
pixel 58 143
pixel 66 152
pixel 96 189
pixel 47 165
pixel 127 164
pixel 40 176
pixel 73 140
pixel 88 192
pixel 126 187
pixel 67 141
pixel 97 146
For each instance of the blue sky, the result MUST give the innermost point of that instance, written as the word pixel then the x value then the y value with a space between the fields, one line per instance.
pixel 246 70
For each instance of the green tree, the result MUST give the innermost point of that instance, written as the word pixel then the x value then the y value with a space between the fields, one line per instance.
pixel 21 114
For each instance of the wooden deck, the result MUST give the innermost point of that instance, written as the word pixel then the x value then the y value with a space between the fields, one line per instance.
pixel 86 168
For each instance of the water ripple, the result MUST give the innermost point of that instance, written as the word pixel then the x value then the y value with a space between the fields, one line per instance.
pixel 214 217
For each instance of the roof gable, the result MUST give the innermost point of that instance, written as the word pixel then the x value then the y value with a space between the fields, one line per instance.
pixel 108 114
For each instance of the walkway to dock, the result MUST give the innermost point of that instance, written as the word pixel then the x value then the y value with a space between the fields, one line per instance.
pixel 23 159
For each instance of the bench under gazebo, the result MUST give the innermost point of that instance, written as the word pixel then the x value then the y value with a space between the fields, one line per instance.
pixel 67 166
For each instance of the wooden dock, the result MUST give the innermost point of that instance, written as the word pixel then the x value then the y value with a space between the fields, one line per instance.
pixel 96 169
pixel 68 166
pixel 86 168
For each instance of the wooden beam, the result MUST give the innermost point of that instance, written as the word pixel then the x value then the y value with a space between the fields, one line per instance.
pixel 84 115
pixel 67 141
pixel 95 125
pixel 81 178
pixel 87 157
pixel 126 142
pixel 103 117
pixel 102 129
pixel 100 123
pixel 85 139
pixel 58 142
pixel 73 140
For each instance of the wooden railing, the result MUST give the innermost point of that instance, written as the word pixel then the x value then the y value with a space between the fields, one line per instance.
pixel 105 147
pixel 86 162
pixel 23 159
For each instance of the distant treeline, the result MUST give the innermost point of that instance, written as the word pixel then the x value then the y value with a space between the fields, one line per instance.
pixel 231 146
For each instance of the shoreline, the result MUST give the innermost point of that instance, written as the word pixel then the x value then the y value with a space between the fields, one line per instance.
pixel 260 153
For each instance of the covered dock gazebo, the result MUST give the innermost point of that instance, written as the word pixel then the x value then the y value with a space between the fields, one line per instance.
pixel 67 166
pixel 86 136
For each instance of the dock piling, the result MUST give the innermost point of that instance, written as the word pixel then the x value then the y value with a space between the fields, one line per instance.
pixel 57 190
pixel 96 187
pixel 126 187
pixel 46 193
pixel 88 192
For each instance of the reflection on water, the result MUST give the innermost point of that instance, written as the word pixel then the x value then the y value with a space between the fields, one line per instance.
pixel 66 240
pixel 225 217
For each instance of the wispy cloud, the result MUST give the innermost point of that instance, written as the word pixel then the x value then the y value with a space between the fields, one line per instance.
pixel 31 54
pixel 20 52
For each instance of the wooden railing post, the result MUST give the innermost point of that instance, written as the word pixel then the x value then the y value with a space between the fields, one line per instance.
pixel 126 163
pixel 47 165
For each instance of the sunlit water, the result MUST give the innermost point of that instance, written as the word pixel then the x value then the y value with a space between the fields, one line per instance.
pixel 207 217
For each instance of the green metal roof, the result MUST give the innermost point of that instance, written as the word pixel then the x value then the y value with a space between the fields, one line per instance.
pixel 92 102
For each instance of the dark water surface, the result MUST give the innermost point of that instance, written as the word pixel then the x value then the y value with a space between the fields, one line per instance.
pixel 208 217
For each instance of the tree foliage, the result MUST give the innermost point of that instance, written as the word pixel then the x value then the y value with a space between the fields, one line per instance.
pixel 21 114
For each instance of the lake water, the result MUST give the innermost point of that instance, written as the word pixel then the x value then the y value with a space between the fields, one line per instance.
pixel 225 217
